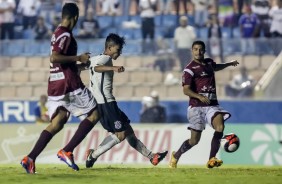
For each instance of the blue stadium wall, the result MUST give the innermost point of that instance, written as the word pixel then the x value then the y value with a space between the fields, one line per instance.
pixel 242 111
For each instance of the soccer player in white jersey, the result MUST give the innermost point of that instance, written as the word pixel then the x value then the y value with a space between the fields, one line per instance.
pixel 101 72
pixel 198 83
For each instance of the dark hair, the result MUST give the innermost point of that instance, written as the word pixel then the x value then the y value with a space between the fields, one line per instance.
pixel 70 10
pixel 114 39
pixel 199 42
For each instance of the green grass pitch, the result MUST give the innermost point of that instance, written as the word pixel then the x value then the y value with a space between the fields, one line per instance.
pixel 135 174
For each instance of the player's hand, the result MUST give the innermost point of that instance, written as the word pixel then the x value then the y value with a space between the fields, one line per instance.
pixel 119 69
pixel 204 99
pixel 234 63
pixel 84 58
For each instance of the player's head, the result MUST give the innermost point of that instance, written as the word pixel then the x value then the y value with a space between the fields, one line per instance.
pixel 70 12
pixel 198 50
pixel 113 45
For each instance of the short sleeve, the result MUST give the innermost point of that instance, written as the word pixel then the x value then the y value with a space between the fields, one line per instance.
pixel 100 60
pixel 187 77
pixel 61 43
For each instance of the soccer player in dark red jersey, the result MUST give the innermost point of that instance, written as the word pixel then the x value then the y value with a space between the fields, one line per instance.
pixel 198 83
pixel 66 92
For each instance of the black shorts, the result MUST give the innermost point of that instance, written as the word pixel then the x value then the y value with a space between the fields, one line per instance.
pixel 112 118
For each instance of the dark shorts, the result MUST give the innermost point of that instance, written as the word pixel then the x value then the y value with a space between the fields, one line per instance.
pixel 112 118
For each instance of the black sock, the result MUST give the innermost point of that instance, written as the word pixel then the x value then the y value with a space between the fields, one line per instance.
pixel 183 148
pixel 215 143
pixel 83 129
pixel 41 143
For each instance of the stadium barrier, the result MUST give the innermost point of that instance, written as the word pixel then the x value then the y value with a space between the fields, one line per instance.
pixel 259 144
pixel 243 111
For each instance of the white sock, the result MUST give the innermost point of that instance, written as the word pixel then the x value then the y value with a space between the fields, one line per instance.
pixel 109 142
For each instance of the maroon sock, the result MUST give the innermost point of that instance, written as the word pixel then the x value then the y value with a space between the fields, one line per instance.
pixel 83 129
pixel 41 143
pixel 183 148
pixel 215 143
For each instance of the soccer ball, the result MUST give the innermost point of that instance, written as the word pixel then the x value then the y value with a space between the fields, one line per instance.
pixel 230 142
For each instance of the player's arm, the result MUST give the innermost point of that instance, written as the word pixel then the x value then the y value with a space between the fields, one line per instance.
pixel 187 91
pixel 221 66
pixel 104 68
pixel 57 57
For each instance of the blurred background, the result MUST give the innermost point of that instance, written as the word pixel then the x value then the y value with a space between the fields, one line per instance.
pixel 158 36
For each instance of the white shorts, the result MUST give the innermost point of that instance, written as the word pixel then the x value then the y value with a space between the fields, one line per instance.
pixel 198 117
pixel 78 104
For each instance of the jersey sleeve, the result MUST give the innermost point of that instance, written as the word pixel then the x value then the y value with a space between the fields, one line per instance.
pixel 101 60
pixel 187 76
pixel 61 42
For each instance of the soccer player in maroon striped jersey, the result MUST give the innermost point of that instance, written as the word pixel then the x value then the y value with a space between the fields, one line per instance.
pixel 198 83
pixel 66 92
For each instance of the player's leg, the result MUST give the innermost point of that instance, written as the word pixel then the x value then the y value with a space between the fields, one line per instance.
pixel 108 142
pixel 83 102
pixel 57 123
pixel 218 125
pixel 186 145
pixel 112 121
pixel 83 129
pixel 135 143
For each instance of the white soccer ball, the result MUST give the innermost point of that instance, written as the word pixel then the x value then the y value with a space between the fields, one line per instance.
pixel 230 142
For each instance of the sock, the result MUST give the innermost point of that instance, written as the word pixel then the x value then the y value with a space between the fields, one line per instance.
pixel 139 146
pixel 41 143
pixel 106 144
pixel 183 148
pixel 215 143
pixel 83 129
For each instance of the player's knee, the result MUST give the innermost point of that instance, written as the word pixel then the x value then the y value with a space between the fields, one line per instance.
pixel 193 142
pixel 55 127
pixel 120 135
pixel 94 117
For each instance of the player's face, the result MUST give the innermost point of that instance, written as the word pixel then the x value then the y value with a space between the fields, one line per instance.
pixel 115 51
pixel 198 52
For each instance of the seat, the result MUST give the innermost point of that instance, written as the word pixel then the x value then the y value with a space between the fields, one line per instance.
pixel 148 61
pixel 154 77
pixel 18 63
pixel 175 92
pixel 133 62
pixel 140 91
pixel 121 78
pixel 266 61
pixel 223 76
pixel 46 62
pixel 127 33
pixel 39 90
pixel 8 92
pixel 251 62
pixel 24 91
pixel 123 92
pixel 34 62
pixel 6 76
pixel 20 76
pixel 105 21
pixel 132 48
pixel 137 77
pixel 37 76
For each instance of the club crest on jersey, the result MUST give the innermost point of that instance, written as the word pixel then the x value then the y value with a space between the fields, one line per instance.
pixel 117 125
